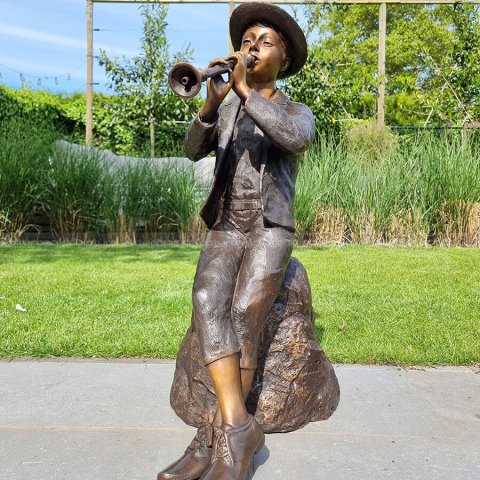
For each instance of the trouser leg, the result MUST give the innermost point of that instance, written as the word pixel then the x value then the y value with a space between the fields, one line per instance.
pixel 213 290
pixel 238 278
pixel 259 280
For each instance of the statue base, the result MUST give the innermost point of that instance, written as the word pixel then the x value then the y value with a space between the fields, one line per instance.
pixel 294 383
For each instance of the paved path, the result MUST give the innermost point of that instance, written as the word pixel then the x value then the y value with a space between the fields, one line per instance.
pixel 98 420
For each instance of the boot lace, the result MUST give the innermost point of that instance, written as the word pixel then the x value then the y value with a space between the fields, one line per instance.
pixel 220 447
pixel 202 439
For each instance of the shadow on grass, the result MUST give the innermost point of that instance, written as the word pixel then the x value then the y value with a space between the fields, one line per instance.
pixel 319 332
pixel 311 248
pixel 53 253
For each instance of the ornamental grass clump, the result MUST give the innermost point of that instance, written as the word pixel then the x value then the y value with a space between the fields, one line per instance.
pixel 75 194
pixel 24 152
pixel 425 190
pixel 129 201
pixel 448 186
pixel 149 202
pixel 316 183
pixel 369 141
pixel 182 199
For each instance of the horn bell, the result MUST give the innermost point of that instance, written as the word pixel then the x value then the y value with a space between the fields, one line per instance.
pixel 185 80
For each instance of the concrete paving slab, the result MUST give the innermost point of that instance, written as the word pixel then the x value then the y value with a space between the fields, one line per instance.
pixel 106 420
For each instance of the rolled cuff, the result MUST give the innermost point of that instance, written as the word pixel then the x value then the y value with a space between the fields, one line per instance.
pixel 207 124
pixel 225 353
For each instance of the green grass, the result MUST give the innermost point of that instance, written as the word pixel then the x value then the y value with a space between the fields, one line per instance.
pixel 373 304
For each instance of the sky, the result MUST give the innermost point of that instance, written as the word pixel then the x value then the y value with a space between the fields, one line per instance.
pixel 44 41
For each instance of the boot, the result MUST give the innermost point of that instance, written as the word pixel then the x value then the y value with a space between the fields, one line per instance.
pixel 195 460
pixel 233 450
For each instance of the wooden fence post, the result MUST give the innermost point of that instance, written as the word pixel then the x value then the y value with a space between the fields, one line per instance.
pixel 89 116
pixel 382 37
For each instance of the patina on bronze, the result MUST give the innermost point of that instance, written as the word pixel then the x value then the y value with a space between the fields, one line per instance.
pixel 258 137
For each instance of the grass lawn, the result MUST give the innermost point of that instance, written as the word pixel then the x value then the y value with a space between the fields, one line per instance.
pixel 373 304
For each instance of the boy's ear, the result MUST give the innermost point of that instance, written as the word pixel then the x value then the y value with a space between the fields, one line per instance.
pixel 285 64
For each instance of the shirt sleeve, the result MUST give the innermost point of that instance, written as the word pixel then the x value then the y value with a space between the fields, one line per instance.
pixel 201 138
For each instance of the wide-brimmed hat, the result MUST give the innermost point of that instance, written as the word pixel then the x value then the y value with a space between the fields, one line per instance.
pixel 248 14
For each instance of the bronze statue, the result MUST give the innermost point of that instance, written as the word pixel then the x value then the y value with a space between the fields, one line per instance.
pixel 258 137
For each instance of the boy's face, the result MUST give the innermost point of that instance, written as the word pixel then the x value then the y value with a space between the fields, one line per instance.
pixel 265 45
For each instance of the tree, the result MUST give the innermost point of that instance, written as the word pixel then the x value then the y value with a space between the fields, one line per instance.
pixel 432 67
pixel 462 73
pixel 142 80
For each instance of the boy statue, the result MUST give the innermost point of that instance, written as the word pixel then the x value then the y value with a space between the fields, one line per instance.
pixel 258 138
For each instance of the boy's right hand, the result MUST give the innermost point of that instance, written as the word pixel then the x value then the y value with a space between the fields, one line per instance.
pixel 217 90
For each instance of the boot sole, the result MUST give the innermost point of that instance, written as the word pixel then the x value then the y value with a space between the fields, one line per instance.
pixel 251 467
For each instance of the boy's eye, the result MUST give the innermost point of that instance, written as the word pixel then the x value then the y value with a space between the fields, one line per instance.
pixel 267 43
pixel 246 41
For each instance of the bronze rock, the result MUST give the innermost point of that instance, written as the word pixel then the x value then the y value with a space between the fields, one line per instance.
pixel 294 384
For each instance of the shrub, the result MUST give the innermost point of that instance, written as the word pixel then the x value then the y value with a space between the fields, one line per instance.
pixel 369 140
pixel 116 128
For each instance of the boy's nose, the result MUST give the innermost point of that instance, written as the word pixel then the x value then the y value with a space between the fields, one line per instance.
pixel 254 47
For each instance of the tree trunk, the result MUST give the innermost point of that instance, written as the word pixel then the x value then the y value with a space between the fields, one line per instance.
pixel 152 137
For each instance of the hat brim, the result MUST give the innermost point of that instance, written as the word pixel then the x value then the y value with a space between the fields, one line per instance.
pixel 247 14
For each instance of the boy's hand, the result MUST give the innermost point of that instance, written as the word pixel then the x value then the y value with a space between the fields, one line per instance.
pixel 239 75
pixel 217 90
